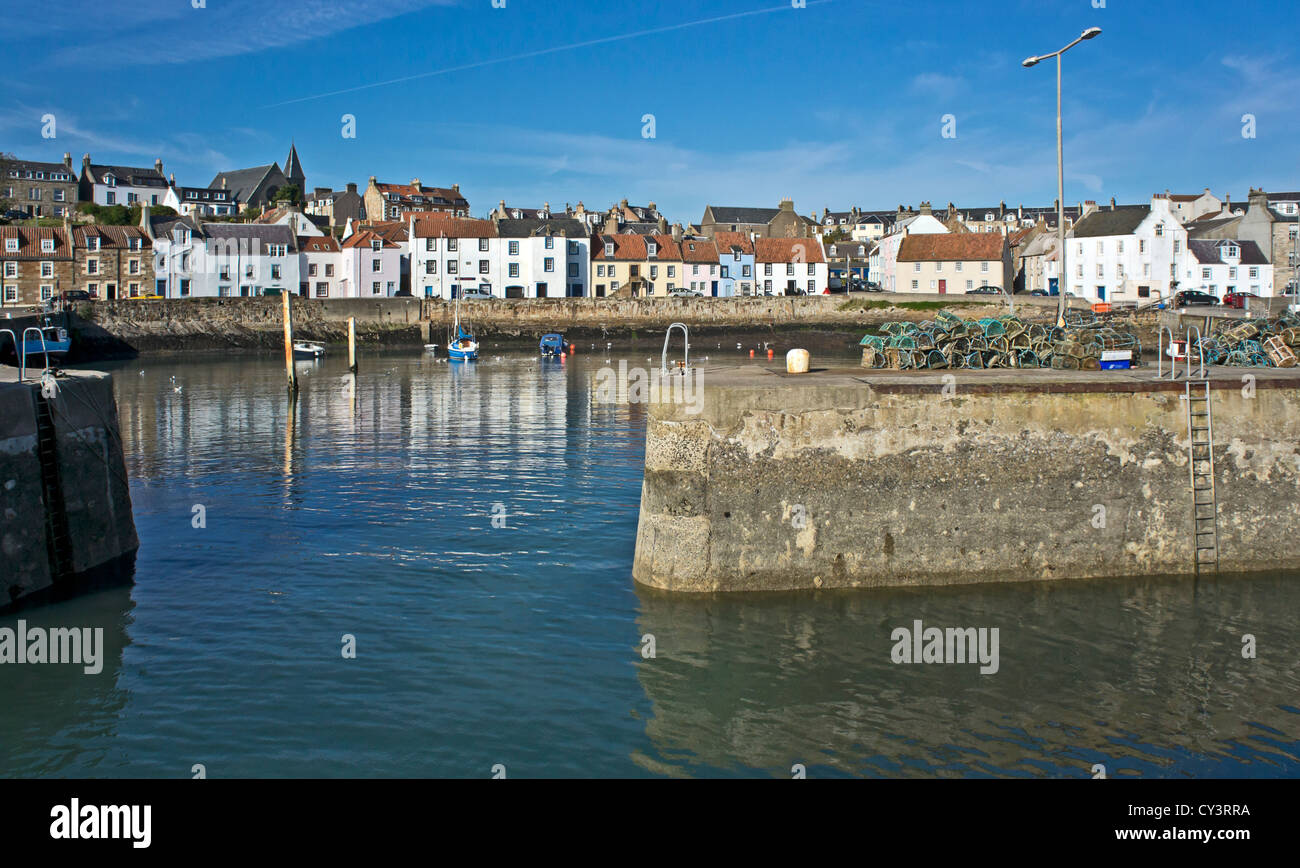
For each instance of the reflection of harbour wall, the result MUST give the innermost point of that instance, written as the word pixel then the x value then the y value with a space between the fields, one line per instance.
pixel 65 507
pixel 826 481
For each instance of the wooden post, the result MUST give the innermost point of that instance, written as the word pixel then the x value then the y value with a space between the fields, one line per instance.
pixel 352 344
pixel 288 343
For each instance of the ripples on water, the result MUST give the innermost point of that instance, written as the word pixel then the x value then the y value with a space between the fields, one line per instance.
pixel 370 513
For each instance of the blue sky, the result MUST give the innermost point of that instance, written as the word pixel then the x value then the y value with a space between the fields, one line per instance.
pixel 835 104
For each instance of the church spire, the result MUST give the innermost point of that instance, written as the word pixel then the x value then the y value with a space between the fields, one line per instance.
pixel 293 169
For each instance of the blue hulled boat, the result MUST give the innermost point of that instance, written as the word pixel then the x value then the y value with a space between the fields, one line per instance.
pixel 553 344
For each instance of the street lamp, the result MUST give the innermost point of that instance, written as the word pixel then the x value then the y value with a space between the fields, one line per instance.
pixel 1090 33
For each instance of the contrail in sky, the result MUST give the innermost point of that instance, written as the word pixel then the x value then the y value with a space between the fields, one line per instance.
pixel 540 52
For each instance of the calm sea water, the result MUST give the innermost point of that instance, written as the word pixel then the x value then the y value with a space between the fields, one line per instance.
pixel 370 513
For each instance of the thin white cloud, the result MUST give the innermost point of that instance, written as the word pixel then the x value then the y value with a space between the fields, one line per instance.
pixel 176 32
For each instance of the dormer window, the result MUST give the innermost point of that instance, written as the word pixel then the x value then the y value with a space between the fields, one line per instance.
pixel 988 216
pixel 110 181
pixel 609 248
pixel 1231 251
pixel 651 249
pixel 47 245
pixel 375 245
pixel 11 245
pixel 92 244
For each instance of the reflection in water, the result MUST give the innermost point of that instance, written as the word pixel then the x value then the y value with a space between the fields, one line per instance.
pixel 366 508
pixel 1144 676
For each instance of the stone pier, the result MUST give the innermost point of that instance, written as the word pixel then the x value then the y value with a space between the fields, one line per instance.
pixel 859 478
pixel 65 505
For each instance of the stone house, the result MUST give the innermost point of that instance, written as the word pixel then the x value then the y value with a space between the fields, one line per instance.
pixel 36 263
pixel 39 189
pixel 113 262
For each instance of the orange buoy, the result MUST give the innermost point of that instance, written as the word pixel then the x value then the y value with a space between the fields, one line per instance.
pixel 770 353
pixel 751 354
pixel 573 348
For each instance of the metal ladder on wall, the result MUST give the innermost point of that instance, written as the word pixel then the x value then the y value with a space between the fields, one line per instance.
pixel 1200 463
pixel 57 535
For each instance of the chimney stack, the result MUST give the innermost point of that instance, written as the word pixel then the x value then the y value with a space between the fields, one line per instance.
pixel 157 164
pixel 677 232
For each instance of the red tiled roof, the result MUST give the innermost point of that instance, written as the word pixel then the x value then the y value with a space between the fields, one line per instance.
pixel 728 240
pixel 632 247
pixel 317 244
pixel 967 247
pixel 788 250
pixel 364 238
pixel 109 236
pixel 29 242
pixel 698 251
pixel 446 226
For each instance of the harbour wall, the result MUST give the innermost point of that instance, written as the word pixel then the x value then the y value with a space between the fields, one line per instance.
pixel 865 479
pixel 122 327
pixel 65 504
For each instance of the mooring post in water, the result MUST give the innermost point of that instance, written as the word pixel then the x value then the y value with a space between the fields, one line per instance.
pixel 288 343
pixel 352 344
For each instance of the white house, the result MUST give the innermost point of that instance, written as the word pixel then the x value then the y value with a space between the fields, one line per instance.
pixel 532 258
pixel 293 217
pixel 884 261
pixel 1228 265
pixel 1127 253
pixel 200 201
pixel 206 260
pixel 320 267
pixel 371 266
pixel 790 266
pixel 121 185
pixel 554 255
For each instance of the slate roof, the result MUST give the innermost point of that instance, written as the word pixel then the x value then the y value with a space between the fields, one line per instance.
pixel 1122 220
pixel 275 233
pixel 529 227
pixel 1209 252
pixel 35 166
pixel 784 250
pixel 952 247
pixel 1199 228
pixel 849 249
pixel 130 175
pixel 754 216
pixel 242 182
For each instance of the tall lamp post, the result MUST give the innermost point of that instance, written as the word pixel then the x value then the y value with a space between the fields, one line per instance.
pixel 1090 33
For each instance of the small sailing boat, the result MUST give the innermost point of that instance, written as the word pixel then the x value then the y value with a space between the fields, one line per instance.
pixel 553 344
pixel 463 347
pixel 54 342
pixel 308 350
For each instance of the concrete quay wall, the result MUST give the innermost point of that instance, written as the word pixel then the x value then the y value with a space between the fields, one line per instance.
pixel 866 479
pixel 90 507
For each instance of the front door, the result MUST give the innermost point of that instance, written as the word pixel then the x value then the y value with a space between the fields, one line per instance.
pixel 110 291
pixel 943 287
pixel 1101 293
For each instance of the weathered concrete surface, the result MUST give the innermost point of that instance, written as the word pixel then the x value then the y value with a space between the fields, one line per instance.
pixel 857 479
pixel 214 323
pixel 96 500
pixel 24 568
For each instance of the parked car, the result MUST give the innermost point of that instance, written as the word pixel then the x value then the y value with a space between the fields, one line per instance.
pixel 985 290
pixel 475 295
pixel 685 292
pixel 403 293
pixel 796 291
pixel 272 291
pixel 1040 293
pixel 1238 299
pixel 1189 297
pixel 835 285
pixel 15 214
pixel 72 295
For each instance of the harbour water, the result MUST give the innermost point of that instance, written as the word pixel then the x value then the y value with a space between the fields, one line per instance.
pixel 472 527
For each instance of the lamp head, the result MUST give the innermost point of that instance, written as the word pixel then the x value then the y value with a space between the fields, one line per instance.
pixel 1029 61
pixel 1092 33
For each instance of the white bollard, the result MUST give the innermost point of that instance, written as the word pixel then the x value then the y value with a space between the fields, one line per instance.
pixel 796 362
